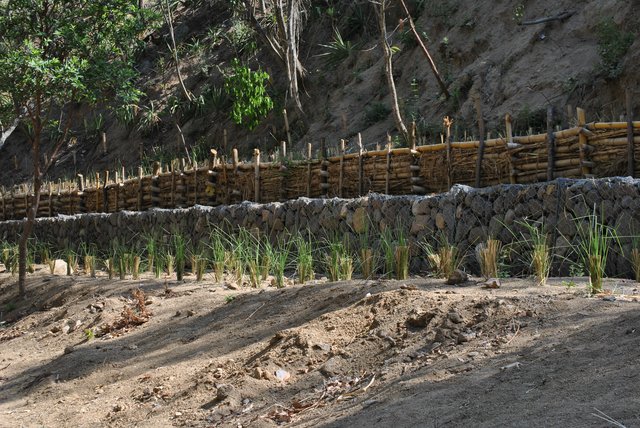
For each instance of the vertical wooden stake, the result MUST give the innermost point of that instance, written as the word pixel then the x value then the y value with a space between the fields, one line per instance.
pixel 195 182
pixel 4 209
pixel 173 185
pixel 224 142
pixel 309 153
pixel 103 139
pixel 447 123
pixel 551 144
pixel 286 127
pixel 412 136
pixel 140 189
pixel 341 178
pixel 388 169
pixel 234 155
pixel 256 156
pixel 513 178
pixel 480 155
pixel 324 172
pixel 51 198
pixel 630 145
pixel 81 186
pixel 360 166
pixel 283 151
pixel 105 192
pixel 212 176
pixel 583 140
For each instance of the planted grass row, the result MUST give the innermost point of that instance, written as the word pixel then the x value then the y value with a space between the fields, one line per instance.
pixel 250 258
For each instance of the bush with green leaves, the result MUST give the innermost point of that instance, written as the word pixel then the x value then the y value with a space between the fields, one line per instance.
pixel 613 44
pixel 248 92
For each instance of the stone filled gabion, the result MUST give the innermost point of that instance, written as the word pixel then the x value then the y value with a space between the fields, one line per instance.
pixel 466 216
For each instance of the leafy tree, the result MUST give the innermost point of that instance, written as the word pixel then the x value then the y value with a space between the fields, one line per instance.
pixel 249 94
pixel 54 56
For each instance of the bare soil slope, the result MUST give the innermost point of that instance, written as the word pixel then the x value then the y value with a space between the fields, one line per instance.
pixel 359 353
pixel 478 46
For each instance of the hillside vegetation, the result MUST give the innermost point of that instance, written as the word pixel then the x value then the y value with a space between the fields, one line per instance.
pixel 236 84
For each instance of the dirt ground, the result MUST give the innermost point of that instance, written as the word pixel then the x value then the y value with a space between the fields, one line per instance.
pixel 358 353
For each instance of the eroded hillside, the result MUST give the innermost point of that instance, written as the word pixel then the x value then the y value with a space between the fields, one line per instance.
pixel 482 50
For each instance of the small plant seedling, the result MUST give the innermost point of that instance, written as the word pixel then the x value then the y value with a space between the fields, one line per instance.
pixel 229 299
pixel 568 284
pixel 89 334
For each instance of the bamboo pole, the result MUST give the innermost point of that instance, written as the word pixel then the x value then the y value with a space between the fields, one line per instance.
pixel 388 168
pixel 140 189
pixel 103 139
pixel 550 144
pixel 360 166
pixel 105 194
pixel 212 177
pixel 195 182
pixel 412 136
pixel 513 179
pixel 324 173
pixel 480 155
pixel 256 157
pixel 583 142
pixel 630 140
pixel 309 169
pixel 286 128
pixel 283 151
pixel 341 178
pixel 447 123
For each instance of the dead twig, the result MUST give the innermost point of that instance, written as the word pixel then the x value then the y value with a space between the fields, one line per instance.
pixel 560 17
pixel 254 312
pixel 607 418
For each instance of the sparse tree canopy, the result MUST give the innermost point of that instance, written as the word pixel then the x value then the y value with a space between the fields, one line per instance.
pixel 55 55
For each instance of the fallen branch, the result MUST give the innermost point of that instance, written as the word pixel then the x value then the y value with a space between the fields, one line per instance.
pixel 560 17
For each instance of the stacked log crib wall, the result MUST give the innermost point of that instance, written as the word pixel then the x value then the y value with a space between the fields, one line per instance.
pixel 586 151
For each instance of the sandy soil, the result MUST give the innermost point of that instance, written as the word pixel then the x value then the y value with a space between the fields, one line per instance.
pixel 359 353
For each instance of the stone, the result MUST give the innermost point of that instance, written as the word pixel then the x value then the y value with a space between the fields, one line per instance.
pixel 224 391
pixel 419 319
pixel 455 317
pixel 491 283
pixel 331 367
pixel 360 221
pixel 465 337
pixel 60 268
pixel 457 277
pixel 282 375
pixel 440 222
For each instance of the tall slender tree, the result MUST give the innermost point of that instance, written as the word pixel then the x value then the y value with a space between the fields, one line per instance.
pixel 54 56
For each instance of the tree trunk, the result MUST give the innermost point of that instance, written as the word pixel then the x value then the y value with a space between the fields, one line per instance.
pixel 31 214
pixel 397 116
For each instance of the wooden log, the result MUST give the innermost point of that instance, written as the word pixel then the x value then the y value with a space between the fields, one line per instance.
pixel 286 128
pixel 360 166
pixel 140 189
pixel 341 178
pixel 480 154
pixel 447 123
pixel 105 194
pixel 513 178
pixel 388 168
pixel 173 186
pixel 583 139
pixel 324 173
pixel 630 139
pixel 611 125
pixel 256 156
pixel 551 141
pixel 308 170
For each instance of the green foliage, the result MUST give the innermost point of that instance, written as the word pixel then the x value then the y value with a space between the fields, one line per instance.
pixel 613 44
pixel 248 92
pixel 375 113
pixel 518 13
pixel 53 54
pixel 337 50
